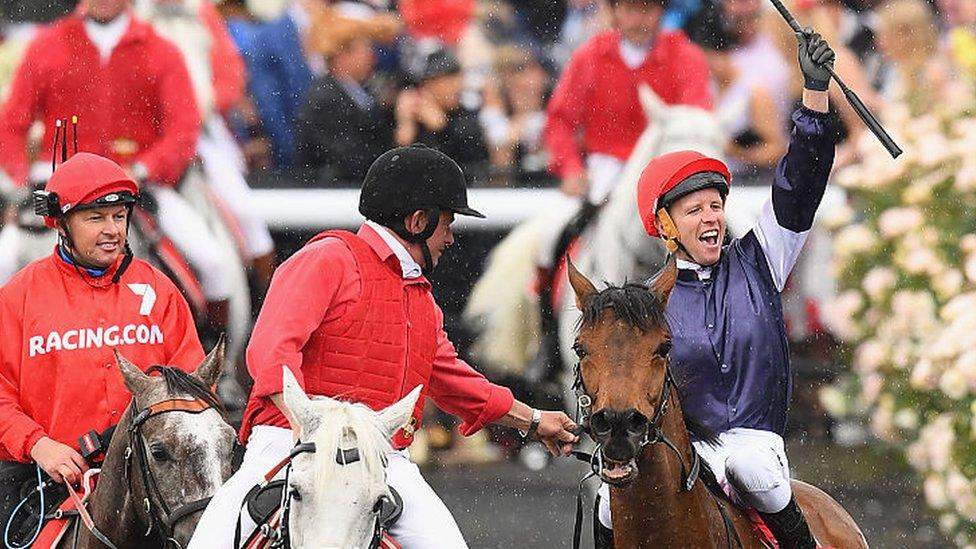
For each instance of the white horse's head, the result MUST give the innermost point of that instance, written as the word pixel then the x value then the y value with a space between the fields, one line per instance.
pixel 334 496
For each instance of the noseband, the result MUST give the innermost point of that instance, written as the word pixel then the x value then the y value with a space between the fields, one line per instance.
pixel 166 523
pixel 653 434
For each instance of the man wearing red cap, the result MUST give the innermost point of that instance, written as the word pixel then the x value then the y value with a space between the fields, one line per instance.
pixel 730 355
pixel 62 316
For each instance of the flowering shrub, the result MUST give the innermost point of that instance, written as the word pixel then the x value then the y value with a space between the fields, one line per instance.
pixel 905 262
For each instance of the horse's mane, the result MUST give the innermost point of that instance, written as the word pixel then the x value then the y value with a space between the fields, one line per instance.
pixel 633 303
pixel 637 306
pixel 372 443
pixel 178 382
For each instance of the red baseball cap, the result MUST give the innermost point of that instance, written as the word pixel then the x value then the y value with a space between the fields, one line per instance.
pixel 666 172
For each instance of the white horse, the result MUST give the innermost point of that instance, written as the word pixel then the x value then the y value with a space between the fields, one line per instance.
pixel 335 489
pixel 614 247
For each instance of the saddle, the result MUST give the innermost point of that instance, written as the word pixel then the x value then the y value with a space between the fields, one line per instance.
pixel 263 505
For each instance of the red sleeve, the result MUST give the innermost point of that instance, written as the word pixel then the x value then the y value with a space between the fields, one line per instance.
pixel 179 123
pixel 18 432
pixel 564 117
pixel 302 291
pixel 225 60
pixel 22 108
pixel 183 347
pixel 695 86
pixel 459 389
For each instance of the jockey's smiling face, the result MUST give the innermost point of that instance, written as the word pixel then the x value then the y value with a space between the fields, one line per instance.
pixel 98 235
pixel 637 20
pixel 700 220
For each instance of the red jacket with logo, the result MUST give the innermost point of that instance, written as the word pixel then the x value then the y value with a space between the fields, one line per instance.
pixel 138 106
pixel 58 376
pixel 340 314
pixel 595 107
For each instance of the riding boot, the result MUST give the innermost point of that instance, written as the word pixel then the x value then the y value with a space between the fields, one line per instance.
pixel 790 527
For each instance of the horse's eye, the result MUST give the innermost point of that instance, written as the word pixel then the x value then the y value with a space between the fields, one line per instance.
pixel 159 452
pixel 294 494
pixel 579 349
pixel 664 349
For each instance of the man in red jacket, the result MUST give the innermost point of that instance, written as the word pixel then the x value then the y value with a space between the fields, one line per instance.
pixel 62 316
pixel 352 315
pixel 595 118
pixel 131 92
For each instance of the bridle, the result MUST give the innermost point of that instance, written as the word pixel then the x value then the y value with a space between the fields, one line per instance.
pixel 153 503
pixel 161 516
pixel 653 433
pixel 276 531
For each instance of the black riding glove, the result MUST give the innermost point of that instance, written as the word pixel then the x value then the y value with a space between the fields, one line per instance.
pixel 815 58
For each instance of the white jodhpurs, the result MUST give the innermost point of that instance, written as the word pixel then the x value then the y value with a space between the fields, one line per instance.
pixel 224 165
pixel 184 226
pixel 749 464
pixel 426 523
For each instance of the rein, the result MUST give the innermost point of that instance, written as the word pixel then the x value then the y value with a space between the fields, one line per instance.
pixel 277 532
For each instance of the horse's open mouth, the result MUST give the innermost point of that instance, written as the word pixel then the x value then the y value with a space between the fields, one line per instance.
pixel 617 473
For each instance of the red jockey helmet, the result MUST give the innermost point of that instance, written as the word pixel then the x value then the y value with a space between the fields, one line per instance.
pixel 84 181
pixel 667 171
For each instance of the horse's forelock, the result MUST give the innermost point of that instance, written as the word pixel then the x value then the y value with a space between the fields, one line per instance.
pixel 371 442
pixel 181 384
pixel 632 303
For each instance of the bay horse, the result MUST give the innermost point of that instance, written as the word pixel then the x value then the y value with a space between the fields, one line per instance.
pixel 644 450
pixel 170 452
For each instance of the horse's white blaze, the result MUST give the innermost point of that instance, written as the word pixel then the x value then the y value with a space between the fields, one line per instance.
pixel 203 433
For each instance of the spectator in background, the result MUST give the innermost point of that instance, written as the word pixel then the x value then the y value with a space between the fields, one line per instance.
pixel 432 113
pixel 343 127
pixel 748 113
pixel 595 117
pixel 918 72
pixel 961 22
pixel 514 116
pixel 584 19
pixel 756 49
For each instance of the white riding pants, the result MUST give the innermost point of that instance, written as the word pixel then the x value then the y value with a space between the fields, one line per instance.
pixel 184 226
pixel 426 523
pixel 224 165
pixel 749 464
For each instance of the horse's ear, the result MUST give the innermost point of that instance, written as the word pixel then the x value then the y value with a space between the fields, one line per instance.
pixel 298 406
pixel 664 281
pixel 209 370
pixel 581 285
pixel 653 105
pixel 398 414
pixel 135 379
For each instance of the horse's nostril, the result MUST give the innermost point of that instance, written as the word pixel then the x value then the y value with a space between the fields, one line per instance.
pixel 600 424
pixel 636 422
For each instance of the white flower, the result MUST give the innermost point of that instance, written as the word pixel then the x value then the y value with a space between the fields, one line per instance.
pixel 854 239
pixel 948 522
pixel 869 356
pixel 899 221
pixel 948 283
pixel 970 267
pixel 838 314
pixel 834 401
pixel 957 486
pixel 878 281
pixel 907 419
pixel 882 424
pixel 953 384
pixel 871 386
pixel 935 492
pixel 923 375
pixel 835 218
pixel 968 243
pixel 965 181
pixel 966 366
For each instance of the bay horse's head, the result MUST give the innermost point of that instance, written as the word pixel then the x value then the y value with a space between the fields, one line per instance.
pixel 623 379
pixel 337 475
pixel 177 445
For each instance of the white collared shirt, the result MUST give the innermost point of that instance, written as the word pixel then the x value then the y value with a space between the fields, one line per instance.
pixel 105 36
pixel 704 273
pixel 633 54
pixel 411 269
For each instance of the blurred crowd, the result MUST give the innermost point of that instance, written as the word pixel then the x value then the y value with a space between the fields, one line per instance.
pixel 331 84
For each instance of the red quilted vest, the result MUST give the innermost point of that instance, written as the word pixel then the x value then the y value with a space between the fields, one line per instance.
pixel 381 348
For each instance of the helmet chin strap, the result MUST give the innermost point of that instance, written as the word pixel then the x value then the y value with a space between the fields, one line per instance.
pixel 670 234
pixel 67 244
pixel 433 215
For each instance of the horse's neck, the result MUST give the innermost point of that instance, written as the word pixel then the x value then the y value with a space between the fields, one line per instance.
pixel 655 511
pixel 111 505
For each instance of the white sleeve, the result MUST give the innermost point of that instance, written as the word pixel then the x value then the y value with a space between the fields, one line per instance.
pixel 781 246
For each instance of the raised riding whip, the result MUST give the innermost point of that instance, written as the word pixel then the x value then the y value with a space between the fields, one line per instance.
pixel 859 107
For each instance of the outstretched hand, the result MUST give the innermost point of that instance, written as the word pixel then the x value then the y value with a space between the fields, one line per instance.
pixel 815 57
pixel 556 432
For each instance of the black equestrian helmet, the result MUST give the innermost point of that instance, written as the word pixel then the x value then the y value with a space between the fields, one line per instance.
pixel 406 179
